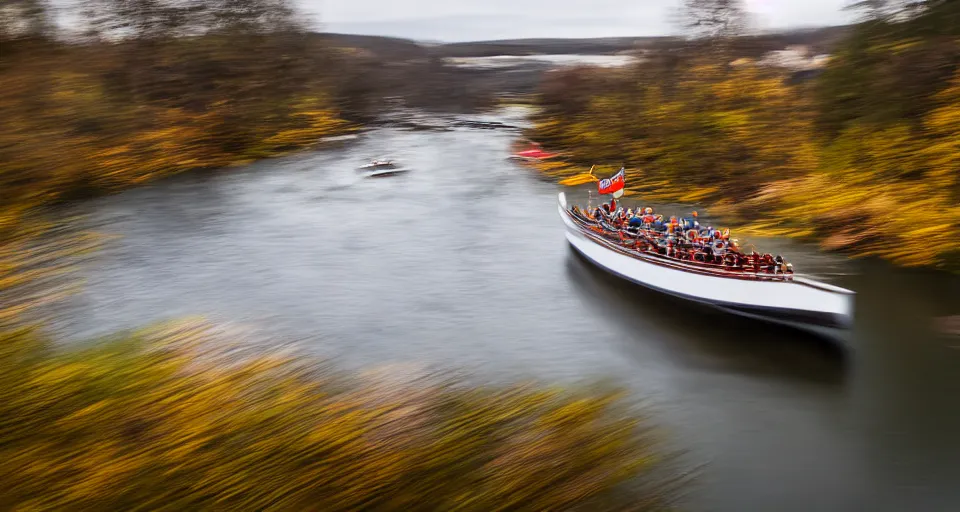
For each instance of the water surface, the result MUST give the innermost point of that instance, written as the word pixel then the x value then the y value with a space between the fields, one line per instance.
pixel 462 264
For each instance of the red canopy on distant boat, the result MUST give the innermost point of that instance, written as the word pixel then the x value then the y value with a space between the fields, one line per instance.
pixel 535 153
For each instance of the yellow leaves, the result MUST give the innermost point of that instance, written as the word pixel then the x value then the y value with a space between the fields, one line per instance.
pixel 60 374
pixel 86 413
pixel 736 124
pixel 111 432
pixel 703 133
pixel 910 224
pixel 579 179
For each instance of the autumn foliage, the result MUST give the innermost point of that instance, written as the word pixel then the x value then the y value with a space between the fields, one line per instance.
pixel 864 158
pixel 158 88
pixel 156 420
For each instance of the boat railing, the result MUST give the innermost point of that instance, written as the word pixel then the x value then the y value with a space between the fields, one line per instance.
pixel 613 238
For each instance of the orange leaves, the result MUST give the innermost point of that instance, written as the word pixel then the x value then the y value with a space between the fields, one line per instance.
pixel 740 135
pixel 143 423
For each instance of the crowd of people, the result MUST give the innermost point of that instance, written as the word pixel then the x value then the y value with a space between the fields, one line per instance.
pixel 683 238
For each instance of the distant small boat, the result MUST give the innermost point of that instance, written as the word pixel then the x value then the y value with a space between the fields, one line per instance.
pixel 378 165
pixel 534 153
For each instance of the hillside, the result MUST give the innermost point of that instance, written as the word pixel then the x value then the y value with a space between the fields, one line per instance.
pixel 820 39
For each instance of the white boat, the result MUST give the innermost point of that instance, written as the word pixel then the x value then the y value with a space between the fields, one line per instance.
pixel 380 168
pixel 379 173
pixel 779 298
pixel 378 165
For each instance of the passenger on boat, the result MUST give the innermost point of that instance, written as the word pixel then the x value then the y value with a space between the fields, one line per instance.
pixel 602 213
pixel 673 225
pixel 688 224
pixel 658 224
pixel 781 266
pixel 767 263
pixel 646 216
pixel 719 247
pixel 671 252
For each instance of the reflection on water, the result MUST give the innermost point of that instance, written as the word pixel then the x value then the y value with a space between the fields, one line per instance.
pixel 707 338
pixel 462 263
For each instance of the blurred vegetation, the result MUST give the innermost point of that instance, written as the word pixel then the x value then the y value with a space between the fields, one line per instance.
pixel 156 420
pixel 173 418
pixel 150 88
pixel 864 158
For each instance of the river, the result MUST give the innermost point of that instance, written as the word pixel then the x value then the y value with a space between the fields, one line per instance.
pixel 462 264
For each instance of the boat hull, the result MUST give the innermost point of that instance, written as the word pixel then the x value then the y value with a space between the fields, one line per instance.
pixel 386 172
pixel 800 303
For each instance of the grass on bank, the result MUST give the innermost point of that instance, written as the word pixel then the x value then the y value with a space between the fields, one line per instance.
pixel 155 420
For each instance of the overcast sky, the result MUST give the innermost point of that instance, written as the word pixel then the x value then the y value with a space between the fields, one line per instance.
pixel 465 20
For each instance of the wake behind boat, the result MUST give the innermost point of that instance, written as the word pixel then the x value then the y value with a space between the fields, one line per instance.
pixel 711 272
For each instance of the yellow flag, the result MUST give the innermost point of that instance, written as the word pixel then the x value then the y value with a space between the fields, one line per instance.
pixel 580 179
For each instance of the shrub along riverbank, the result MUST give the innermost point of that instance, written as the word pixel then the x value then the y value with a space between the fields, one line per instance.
pixel 864 158
pixel 151 89
pixel 156 420
pixel 140 100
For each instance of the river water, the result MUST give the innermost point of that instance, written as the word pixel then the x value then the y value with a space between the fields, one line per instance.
pixel 462 264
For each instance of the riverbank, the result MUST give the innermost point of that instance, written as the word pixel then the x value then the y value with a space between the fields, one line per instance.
pixel 173 417
pixel 851 219
pixel 861 157
pixel 302 251
pixel 846 158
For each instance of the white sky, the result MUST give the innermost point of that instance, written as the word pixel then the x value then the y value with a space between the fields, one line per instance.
pixel 472 20
pixel 462 20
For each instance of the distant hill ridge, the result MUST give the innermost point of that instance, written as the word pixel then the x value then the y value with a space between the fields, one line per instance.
pixel 820 39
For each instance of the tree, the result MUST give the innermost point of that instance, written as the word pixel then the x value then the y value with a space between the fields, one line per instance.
pixel 22 20
pixel 160 19
pixel 713 19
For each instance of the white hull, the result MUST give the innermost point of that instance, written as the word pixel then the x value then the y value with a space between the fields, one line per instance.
pixel 386 172
pixel 797 302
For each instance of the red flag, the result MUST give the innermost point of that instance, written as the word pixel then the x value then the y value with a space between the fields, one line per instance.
pixel 613 184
